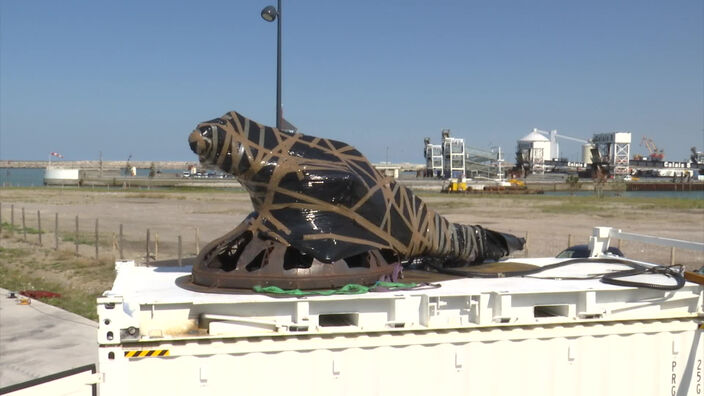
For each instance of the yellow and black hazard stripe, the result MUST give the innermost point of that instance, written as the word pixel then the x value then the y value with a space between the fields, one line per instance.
pixel 147 353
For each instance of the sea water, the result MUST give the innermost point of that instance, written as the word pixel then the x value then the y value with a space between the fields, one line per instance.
pixel 34 177
pixel 21 177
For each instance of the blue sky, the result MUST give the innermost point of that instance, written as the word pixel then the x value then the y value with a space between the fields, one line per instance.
pixel 135 77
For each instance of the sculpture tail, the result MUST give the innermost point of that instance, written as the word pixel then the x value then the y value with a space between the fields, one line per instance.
pixel 498 244
pixel 482 244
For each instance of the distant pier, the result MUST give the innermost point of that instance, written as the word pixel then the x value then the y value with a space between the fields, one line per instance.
pixel 106 165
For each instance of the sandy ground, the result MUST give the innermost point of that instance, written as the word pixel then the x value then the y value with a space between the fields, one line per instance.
pixel 168 215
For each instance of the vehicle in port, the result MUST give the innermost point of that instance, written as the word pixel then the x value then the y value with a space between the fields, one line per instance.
pixel 582 251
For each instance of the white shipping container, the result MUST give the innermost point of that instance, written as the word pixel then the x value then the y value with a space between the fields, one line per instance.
pixel 505 336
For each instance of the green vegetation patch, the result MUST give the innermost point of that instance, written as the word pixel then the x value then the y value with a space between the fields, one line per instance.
pixel 85 269
pixel 72 300
pixel 577 206
pixel 451 204
pixel 153 195
pixel 7 227
pixel 668 203
pixel 607 206
pixel 614 205
pixel 11 253
pixel 79 280
pixel 86 238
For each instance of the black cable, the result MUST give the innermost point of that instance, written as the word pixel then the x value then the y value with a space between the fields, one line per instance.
pixel 613 278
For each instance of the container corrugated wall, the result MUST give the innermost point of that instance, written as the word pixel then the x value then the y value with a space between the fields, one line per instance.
pixel 606 358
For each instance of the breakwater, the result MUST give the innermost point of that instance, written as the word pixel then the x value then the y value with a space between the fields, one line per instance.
pixel 640 186
pixel 93 165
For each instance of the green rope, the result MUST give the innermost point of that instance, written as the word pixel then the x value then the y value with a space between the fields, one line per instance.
pixel 351 288
pixel 347 289
pixel 395 285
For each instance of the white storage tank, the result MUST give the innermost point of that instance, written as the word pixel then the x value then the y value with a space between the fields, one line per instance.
pixel 61 176
pixel 537 145
pixel 587 153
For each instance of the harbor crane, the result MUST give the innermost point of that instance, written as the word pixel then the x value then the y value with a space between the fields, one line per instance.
pixel 654 153
pixel 554 146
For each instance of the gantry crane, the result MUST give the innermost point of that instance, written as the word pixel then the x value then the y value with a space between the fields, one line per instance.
pixel 654 153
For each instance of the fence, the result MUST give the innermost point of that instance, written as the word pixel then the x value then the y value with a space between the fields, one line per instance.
pixel 80 234
pixel 87 238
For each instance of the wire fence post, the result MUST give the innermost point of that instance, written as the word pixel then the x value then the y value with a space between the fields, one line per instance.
pixel 56 231
pixel 672 255
pixel 96 238
pixel 156 246
pixel 114 245
pixel 24 227
pixel 120 243
pixel 179 251
pixel 525 246
pixel 569 240
pixel 39 226
pixel 147 246
pixel 12 219
pixel 197 241
pixel 76 236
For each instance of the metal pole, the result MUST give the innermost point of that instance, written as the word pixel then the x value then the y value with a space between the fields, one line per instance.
pixel 197 242
pixel 39 225
pixel 24 228
pixel 179 251
pixel 156 246
pixel 12 218
pixel 96 238
pixel 278 67
pixel 76 241
pixel 627 236
pixel 147 246
pixel 121 242
pixel 56 232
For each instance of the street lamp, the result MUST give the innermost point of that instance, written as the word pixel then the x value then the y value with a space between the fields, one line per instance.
pixel 269 14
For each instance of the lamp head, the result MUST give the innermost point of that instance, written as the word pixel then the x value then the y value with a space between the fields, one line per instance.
pixel 269 13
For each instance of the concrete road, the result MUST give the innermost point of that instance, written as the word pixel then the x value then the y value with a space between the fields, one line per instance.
pixel 39 339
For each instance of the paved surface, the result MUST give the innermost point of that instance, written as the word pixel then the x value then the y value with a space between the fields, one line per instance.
pixel 39 339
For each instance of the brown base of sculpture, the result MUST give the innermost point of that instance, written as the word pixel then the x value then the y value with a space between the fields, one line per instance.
pixel 241 260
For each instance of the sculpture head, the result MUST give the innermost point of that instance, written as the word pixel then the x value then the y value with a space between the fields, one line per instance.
pixel 208 139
